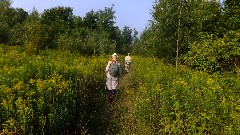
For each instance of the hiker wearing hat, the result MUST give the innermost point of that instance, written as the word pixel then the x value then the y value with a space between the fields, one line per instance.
pixel 113 73
pixel 128 61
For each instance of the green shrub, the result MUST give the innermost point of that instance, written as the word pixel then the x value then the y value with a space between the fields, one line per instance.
pixel 215 54
pixel 171 101
pixel 50 93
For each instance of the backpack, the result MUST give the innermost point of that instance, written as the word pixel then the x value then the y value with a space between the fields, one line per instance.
pixel 114 69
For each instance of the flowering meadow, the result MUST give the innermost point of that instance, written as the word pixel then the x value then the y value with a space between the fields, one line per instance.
pixel 183 101
pixel 59 92
pixel 54 92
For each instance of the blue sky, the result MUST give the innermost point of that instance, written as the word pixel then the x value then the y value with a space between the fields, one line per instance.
pixel 132 13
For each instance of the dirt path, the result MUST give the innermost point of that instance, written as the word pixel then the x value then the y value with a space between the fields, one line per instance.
pixel 122 110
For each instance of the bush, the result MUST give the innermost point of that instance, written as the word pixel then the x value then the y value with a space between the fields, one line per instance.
pixel 215 54
pixel 52 93
pixel 171 101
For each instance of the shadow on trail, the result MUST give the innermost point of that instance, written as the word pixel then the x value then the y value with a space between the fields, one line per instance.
pixel 101 117
pixel 121 111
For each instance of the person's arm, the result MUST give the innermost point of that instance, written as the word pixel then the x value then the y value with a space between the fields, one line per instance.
pixel 108 65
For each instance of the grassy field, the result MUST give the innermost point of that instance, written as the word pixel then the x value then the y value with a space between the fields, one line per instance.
pixel 64 93
pixel 164 100
pixel 53 93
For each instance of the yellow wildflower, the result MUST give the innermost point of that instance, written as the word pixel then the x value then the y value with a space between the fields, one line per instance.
pixel 31 81
pixel 210 81
pixel 18 86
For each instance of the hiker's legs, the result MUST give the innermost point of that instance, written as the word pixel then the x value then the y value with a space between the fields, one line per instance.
pixel 114 83
pixel 110 96
pixel 109 82
pixel 110 87
pixel 126 68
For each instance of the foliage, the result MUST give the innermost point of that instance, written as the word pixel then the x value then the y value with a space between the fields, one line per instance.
pixel 170 101
pixel 33 33
pixel 56 91
pixel 59 28
pixel 51 93
pixel 126 40
pixel 10 21
pixel 176 24
pixel 56 21
pixel 202 33
pixel 145 46
pixel 4 32
pixel 215 55
pixel 231 15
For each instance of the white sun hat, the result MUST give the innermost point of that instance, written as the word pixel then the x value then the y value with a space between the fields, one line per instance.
pixel 115 55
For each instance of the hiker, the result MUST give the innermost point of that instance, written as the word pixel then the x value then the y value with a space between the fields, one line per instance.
pixel 113 72
pixel 128 61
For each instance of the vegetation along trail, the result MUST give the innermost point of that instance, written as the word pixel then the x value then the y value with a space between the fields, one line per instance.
pixel 63 93
pixel 184 79
pixel 122 110
pixel 155 98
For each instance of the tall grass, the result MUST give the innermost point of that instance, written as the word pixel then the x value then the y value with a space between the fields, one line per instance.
pixel 170 101
pixel 53 93
pixel 63 93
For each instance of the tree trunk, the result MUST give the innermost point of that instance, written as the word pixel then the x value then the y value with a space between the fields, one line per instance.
pixel 178 38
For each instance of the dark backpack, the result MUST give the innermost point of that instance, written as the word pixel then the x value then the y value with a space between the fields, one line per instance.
pixel 114 69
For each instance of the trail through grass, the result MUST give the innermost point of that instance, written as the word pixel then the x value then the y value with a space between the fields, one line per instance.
pixel 63 93
pixel 121 112
pixel 155 98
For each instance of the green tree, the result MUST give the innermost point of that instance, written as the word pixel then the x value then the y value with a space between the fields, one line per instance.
pixel 4 27
pixel 214 54
pixel 144 46
pixel 56 21
pixel 178 23
pixel 92 34
pixel 212 18
pixel 106 19
pixel 15 35
pixel 33 32
pixel 101 32
pixel 4 32
pixel 15 16
pixel 90 20
pixel 231 15
pixel 168 23
pixel 4 7
pixel 10 23
pixel 16 31
pixel 126 39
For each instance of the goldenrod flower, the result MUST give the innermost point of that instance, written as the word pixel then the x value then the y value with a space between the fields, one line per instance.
pixel 210 81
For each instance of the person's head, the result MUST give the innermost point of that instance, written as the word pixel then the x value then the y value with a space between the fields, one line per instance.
pixel 128 54
pixel 114 54
pixel 114 57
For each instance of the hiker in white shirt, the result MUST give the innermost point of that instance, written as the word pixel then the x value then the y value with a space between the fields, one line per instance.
pixel 128 61
pixel 113 72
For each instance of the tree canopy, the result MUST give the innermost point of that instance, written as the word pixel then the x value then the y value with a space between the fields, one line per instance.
pixel 58 28
pixel 180 28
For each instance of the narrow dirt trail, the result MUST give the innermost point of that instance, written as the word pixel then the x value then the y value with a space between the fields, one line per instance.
pixel 127 100
pixel 122 110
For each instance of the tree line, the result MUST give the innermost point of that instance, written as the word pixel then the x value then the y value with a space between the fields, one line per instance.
pixel 59 28
pixel 203 34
